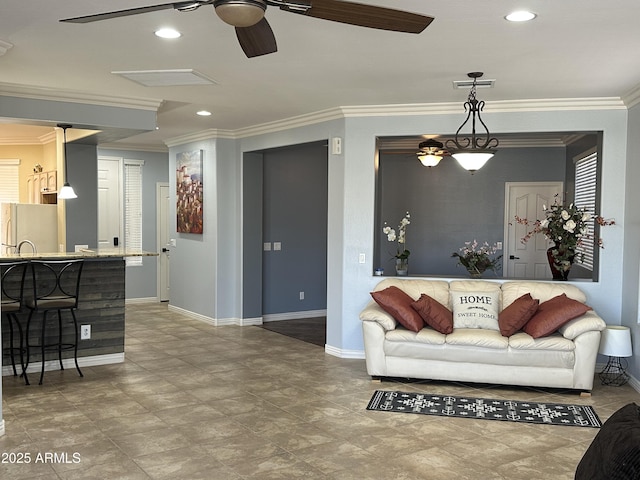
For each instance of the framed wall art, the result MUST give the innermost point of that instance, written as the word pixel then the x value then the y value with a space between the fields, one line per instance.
pixel 189 192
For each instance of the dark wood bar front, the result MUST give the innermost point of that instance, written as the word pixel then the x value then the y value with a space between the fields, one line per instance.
pixel 101 306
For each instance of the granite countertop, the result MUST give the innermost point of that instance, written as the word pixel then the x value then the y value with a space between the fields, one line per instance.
pixel 84 253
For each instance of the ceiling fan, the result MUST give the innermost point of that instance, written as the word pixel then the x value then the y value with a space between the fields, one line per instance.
pixel 254 32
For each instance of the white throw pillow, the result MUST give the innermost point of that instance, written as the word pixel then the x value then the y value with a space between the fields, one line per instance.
pixel 475 309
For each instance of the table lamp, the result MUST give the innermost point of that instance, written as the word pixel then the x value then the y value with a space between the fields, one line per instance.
pixel 615 342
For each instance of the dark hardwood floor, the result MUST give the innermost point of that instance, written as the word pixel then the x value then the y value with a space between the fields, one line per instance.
pixel 310 330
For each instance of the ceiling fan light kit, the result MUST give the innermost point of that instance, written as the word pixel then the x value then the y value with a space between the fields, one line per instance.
pixel 240 13
pixel 431 152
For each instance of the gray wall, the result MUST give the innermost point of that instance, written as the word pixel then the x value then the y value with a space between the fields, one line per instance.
pixel 449 206
pixel 141 282
pixel 295 214
pixel 630 267
pixel 81 218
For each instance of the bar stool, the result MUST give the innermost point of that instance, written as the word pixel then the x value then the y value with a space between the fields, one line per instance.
pixel 56 284
pixel 13 276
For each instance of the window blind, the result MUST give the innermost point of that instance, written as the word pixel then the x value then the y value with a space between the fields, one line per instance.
pixel 133 208
pixel 9 180
pixel 585 198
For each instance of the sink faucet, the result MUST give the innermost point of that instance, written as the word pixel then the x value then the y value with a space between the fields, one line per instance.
pixel 33 247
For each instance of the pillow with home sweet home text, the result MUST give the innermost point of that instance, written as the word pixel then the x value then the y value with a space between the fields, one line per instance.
pixel 475 309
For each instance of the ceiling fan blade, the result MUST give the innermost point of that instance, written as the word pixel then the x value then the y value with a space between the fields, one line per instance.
pixel 257 39
pixel 183 6
pixel 364 15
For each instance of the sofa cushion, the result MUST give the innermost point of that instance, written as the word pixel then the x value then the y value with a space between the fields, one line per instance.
pixel 434 314
pixel 426 335
pixel 554 313
pixel 398 304
pixel 473 337
pixel 543 291
pixel 513 317
pixel 476 309
pixel 587 322
pixel 524 341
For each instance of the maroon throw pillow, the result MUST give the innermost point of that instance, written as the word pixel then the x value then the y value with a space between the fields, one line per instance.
pixel 554 313
pixel 434 314
pixel 398 304
pixel 516 315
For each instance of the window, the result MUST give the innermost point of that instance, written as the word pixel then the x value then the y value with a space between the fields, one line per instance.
pixel 133 208
pixel 9 180
pixel 585 198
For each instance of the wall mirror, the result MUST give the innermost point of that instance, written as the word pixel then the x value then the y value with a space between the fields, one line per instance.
pixel 449 206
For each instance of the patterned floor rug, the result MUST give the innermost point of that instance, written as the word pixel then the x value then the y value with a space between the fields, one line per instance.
pixel 485 408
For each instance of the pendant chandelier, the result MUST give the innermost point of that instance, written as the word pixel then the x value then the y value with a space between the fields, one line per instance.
pixel 473 151
pixel 66 192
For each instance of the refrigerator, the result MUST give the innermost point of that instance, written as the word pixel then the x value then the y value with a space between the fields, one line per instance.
pixel 27 221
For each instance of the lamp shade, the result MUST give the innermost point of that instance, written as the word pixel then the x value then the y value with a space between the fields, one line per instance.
pixel 616 341
pixel 472 161
pixel 429 160
pixel 66 192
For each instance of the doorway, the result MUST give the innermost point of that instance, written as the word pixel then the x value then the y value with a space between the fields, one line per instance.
pixel 109 201
pixel 527 200
pixel 163 241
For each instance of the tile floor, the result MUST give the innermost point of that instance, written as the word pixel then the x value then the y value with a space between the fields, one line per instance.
pixel 194 401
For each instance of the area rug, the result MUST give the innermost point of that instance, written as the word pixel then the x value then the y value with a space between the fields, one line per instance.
pixel 485 409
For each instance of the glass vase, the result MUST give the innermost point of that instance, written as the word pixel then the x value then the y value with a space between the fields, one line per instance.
pixel 402 267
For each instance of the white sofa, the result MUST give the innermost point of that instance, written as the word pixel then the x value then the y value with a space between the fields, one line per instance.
pixel 564 359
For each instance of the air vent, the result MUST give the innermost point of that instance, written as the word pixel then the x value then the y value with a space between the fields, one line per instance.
pixel 166 78
pixel 479 83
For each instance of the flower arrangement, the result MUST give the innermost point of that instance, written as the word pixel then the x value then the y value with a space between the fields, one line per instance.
pixel 476 258
pixel 402 254
pixel 567 227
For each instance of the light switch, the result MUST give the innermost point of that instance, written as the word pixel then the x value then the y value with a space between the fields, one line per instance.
pixel 277 246
pixel 267 246
pixel 361 258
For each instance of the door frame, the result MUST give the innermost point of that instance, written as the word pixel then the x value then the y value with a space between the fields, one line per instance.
pixel 159 243
pixel 508 221
pixel 121 221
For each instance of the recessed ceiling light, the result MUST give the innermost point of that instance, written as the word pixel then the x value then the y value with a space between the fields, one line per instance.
pixel 520 16
pixel 203 113
pixel 168 33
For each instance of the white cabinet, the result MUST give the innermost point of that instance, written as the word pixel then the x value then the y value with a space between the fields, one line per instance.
pixel 43 187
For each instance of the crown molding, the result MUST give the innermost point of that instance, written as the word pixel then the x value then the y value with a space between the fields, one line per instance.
pixel 136 147
pixel 4 47
pixel 203 135
pixel 340 113
pixel 632 98
pixel 40 93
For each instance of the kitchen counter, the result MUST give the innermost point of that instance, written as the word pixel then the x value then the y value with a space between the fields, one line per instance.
pixel 87 253
pixel 101 305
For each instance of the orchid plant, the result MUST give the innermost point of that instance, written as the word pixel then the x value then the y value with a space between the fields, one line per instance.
pixel 476 258
pixel 400 237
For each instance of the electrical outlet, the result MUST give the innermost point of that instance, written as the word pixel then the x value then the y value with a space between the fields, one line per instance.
pixel 301 295
pixel 85 332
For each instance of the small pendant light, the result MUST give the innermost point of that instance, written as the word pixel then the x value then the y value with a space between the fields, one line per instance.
pixel 66 192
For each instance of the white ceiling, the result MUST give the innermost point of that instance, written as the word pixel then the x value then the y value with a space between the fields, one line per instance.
pixel 573 49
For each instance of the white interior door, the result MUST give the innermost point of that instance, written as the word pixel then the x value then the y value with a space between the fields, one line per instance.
pixel 526 200
pixel 164 242
pixel 109 201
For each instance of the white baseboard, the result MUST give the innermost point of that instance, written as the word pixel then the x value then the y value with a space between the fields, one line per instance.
pixel 216 322
pixel 68 363
pixel 276 317
pixel 340 353
pixel 134 301
pixel 1 426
